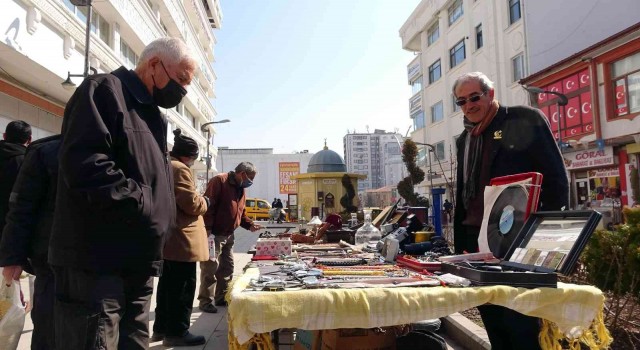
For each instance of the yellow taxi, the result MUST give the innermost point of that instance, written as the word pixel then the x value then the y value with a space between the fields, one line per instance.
pixel 257 208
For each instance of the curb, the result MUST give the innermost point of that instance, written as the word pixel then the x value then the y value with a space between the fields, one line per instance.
pixel 466 333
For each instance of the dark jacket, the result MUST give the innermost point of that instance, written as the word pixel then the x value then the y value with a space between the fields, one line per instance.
pixel 26 234
pixel 115 194
pixel 11 157
pixel 519 141
pixel 226 205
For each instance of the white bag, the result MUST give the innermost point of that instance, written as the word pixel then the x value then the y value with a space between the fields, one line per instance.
pixel 12 314
pixel 212 247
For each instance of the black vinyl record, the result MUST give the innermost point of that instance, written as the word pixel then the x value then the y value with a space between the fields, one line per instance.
pixel 506 219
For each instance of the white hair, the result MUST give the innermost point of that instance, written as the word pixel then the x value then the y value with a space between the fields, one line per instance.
pixel 173 50
pixel 485 83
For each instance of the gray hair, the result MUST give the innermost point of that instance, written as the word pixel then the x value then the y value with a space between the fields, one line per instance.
pixel 485 83
pixel 173 50
pixel 246 167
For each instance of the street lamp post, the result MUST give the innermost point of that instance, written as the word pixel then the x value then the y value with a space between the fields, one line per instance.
pixel 562 101
pixel 68 84
pixel 205 128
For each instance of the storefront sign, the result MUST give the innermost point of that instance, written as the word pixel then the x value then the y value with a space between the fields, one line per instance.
pixel 287 170
pixel 329 181
pixel 589 159
pixel 609 172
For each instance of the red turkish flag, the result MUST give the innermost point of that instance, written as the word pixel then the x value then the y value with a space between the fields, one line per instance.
pixel 570 84
pixel 542 97
pixel 555 87
pixel 586 108
pixel 572 113
pixel 545 111
pixel 584 78
pixel 588 128
pixel 621 99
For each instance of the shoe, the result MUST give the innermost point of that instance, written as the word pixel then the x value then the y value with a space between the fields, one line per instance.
pixel 208 308
pixel 157 336
pixel 222 303
pixel 186 340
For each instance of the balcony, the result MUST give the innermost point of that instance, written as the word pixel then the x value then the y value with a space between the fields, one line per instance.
pixel 198 15
pixel 415 103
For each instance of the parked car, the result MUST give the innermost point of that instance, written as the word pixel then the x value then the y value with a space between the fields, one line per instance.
pixel 257 208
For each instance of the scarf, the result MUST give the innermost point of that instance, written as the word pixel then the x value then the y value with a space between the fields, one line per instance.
pixel 473 153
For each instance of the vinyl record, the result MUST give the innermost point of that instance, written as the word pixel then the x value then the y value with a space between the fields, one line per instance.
pixel 506 219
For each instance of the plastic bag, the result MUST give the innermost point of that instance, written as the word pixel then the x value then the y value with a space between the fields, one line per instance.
pixel 12 314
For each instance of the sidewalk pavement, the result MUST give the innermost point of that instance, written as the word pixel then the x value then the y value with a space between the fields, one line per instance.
pixel 214 327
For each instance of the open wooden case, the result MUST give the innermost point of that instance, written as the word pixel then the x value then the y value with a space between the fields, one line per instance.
pixel 548 244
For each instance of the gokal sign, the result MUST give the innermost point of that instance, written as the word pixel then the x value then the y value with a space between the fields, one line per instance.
pixel 591 158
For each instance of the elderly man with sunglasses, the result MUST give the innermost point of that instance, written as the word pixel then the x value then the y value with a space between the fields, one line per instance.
pixel 499 141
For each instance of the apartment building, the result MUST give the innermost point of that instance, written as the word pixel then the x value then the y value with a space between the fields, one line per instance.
pixel 450 38
pixel 376 155
pixel 43 44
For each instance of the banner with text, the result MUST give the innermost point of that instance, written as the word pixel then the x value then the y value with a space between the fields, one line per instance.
pixel 287 170
pixel 592 158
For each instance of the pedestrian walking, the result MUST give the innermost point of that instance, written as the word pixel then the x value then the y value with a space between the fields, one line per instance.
pixel 115 201
pixel 226 193
pixel 25 238
pixel 448 209
pixel 186 245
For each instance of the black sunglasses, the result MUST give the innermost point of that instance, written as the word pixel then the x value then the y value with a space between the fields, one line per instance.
pixel 475 98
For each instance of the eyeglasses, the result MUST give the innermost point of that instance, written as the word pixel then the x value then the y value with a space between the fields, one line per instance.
pixel 475 98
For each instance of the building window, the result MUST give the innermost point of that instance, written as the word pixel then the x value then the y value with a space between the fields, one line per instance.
pixel 456 108
pixel 437 112
pixel 518 67
pixel 438 151
pixel 514 11
pixel 455 11
pixel 128 57
pixel 416 85
pixel 478 36
pixel 626 82
pixel 434 72
pixel 457 54
pixel 418 120
pixel 433 34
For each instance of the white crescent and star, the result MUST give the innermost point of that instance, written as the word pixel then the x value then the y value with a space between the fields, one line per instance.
pixel 554 117
pixel 571 112
pixel 586 108
pixel 589 127
pixel 619 95
pixel 584 78
pixel 570 84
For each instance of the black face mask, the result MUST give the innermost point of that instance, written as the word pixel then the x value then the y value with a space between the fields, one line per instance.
pixel 170 95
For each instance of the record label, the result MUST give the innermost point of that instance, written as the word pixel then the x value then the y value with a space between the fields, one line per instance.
pixel 506 219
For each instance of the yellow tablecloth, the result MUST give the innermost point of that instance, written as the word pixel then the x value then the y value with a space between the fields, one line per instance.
pixel 571 308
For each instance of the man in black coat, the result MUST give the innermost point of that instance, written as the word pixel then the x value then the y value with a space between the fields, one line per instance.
pixel 115 201
pixel 25 238
pixel 499 141
pixel 16 137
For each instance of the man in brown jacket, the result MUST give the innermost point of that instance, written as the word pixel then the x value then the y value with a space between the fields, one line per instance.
pixel 185 246
pixel 226 212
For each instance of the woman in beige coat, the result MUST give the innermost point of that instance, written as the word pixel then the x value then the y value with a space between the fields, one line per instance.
pixel 186 245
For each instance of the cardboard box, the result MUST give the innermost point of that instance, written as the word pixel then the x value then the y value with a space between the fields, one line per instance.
pixel 273 246
pixel 358 339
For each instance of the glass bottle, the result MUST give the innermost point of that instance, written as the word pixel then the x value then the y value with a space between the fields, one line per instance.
pixel 367 235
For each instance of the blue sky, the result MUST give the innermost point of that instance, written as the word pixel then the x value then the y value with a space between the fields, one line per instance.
pixel 294 72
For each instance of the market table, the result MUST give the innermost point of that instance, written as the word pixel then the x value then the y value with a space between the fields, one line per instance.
pixel 572 311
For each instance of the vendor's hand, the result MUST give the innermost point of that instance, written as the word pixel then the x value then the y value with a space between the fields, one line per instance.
pixel 255 227
pixel 11 273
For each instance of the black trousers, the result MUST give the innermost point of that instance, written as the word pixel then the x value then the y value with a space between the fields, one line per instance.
pixel 101 311
pixel 509 329
pixel 43 337
pixel 174 300
pixel 467 240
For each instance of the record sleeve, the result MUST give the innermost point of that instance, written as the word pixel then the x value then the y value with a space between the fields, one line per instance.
pixel 506 218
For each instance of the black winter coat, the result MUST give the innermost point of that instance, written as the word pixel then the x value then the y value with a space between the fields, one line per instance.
pixel 30 217
pixel 520 141
pixel 115 197
pixel 11 157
